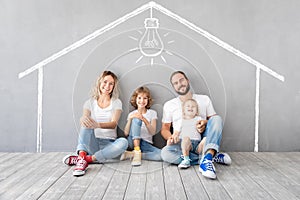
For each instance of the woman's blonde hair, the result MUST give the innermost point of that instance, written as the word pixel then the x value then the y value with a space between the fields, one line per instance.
pixel 96 92
pixel 140 90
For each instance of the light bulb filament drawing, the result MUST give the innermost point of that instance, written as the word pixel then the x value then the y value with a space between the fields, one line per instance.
pixel 151 44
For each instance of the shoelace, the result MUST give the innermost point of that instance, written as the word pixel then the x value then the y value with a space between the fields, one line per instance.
pixel 81 163
pixel 182 156
pixel 187 160
pixel 208 165
pixel 219 159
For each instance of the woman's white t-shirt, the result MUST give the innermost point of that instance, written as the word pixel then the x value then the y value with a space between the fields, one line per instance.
pixel 149 115
pixel 103 115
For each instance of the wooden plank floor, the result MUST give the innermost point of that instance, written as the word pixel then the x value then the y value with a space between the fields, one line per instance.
pixel 251 176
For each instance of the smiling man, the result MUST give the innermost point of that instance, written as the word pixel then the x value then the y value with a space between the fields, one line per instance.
pixel 211 128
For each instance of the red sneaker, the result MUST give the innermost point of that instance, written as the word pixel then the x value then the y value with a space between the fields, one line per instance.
pixel 70 159
pixel 80 167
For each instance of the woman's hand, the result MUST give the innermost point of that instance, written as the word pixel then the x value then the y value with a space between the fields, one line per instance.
pixel 88 122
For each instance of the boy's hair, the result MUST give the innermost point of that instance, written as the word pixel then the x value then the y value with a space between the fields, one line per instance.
pixel 140 90
pixel 193 100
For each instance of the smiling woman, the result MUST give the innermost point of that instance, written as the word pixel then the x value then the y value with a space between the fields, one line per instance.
pixel 98 136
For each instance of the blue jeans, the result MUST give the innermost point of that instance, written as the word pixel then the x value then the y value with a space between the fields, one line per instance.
pixel 213 134
pixel 103 149
pixel 149 152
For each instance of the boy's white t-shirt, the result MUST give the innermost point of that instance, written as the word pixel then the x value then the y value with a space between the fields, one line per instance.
pixel 149 115
pixel 172 111
pixel 103 115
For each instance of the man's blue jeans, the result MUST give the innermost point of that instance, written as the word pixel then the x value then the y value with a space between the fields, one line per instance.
pixel 103 149
pixel 149 152
pixel 213 133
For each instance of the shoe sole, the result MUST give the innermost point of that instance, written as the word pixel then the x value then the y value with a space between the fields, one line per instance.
pixel 183 167
pixel 78 173
pixel 136 164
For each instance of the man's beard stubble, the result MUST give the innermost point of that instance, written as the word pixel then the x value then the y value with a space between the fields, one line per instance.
pixel 186 90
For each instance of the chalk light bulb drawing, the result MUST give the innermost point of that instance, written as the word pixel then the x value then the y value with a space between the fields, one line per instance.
pixel 151 44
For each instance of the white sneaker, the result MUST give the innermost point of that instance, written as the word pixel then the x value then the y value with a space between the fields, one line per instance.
pixel 207 169
pixel 137 158
pixel 185 163
pixel 127 155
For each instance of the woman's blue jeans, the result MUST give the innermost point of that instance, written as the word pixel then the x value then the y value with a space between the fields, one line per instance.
pixel 213 133
pixel 149 152
pixel 103 149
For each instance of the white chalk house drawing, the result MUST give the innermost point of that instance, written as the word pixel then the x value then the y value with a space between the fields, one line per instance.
pixel 150 48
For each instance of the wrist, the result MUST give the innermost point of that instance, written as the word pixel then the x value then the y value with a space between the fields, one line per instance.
pixel 145 121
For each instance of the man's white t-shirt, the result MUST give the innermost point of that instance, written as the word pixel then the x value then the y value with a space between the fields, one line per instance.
pixel 103 115
pixel 149 115
pixel 172 111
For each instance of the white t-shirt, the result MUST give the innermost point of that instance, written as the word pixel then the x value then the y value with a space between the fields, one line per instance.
pixel 103 115
pixel 172 111
pixel 149 115
pixel 188 128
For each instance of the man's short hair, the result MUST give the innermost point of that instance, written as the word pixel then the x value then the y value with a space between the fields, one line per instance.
pixel 178 72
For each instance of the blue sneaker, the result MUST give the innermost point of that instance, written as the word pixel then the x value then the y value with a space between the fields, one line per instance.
pixel 185 163
pixel 222 158
pixel 207 169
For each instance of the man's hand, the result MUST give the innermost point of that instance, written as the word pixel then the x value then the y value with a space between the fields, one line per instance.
pixel 201 126
pixel 170 141
pixel 173 139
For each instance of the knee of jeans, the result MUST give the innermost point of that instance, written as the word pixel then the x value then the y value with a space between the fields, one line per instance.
pixel 165 153
pixel 123 143
pixel 215 122
pixel 168 156
pixel 137 121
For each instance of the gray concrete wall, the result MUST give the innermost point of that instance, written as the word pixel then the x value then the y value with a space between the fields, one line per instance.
pixel 267 31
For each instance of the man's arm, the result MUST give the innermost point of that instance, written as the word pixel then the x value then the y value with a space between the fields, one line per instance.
pixel 165 130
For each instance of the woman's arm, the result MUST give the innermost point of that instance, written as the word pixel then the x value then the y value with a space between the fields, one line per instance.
pixel 113 123
pixel 85 118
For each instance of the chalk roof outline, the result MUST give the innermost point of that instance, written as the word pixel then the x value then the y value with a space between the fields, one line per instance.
pixel 150 5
